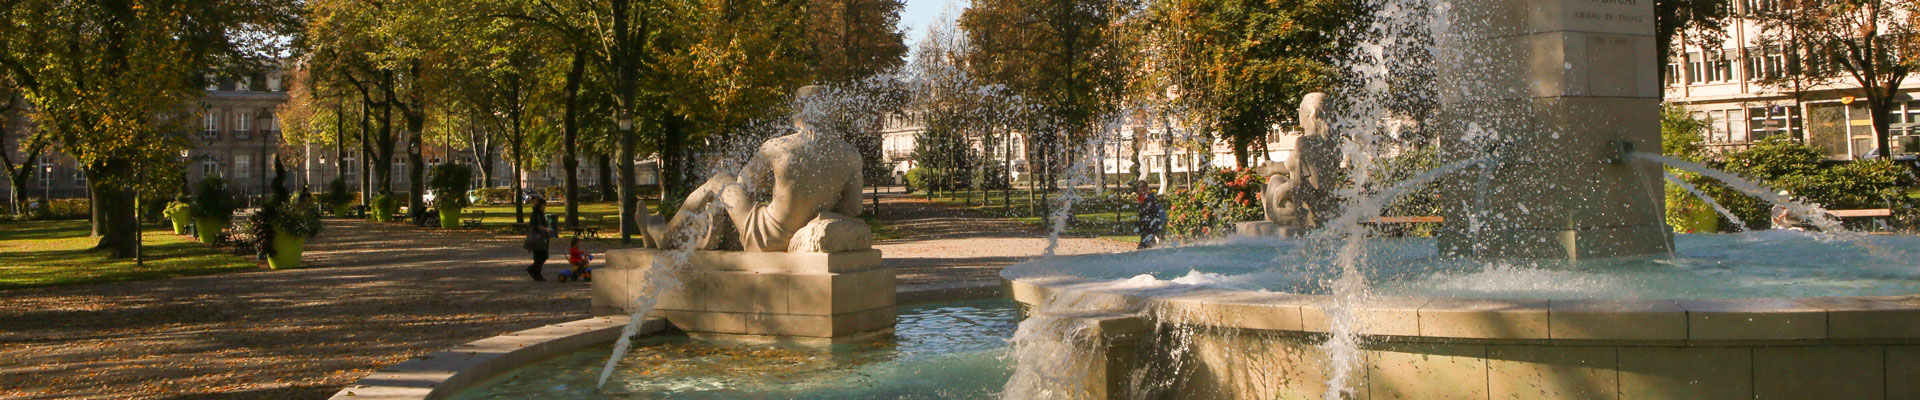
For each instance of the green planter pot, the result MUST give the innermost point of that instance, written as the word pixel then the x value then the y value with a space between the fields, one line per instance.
pixel 180 224
pixel 209 228
pixel 381 213
pixel 286 250
pixel 449 217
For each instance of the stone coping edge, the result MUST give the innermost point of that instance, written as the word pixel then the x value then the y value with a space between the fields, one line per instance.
pixel 445 373
pixel 1705 322
pixel 442 374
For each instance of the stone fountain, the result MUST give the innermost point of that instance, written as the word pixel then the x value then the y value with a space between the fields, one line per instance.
pixel 794 266
pixel 1555 95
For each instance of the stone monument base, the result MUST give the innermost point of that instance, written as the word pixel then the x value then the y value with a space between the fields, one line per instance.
pixel 1264 229
pixel 732 293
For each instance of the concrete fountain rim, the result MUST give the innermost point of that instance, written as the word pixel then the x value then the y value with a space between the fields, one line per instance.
pixel 1668 322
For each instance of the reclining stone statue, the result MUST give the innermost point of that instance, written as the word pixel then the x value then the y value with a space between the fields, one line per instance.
pixel 810 181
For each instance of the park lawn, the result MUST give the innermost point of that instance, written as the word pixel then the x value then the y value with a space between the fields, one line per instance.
pixel 1103 216
pixel 55 253
pixel 606 216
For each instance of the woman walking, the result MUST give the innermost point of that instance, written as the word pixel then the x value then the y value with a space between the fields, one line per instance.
pixel 537 235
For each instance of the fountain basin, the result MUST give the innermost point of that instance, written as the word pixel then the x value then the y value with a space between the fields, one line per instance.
pixel 1248 344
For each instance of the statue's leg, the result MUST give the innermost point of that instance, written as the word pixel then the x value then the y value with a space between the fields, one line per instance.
pixel 696 202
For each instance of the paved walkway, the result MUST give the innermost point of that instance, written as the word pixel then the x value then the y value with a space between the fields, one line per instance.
pixel 376 294
pixel 945 244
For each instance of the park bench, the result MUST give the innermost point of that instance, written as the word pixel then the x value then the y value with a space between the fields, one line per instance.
pixel 473 222
pixel 1866 213
pixel 590 228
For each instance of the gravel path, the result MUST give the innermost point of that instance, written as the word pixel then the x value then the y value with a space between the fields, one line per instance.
pixel 375 294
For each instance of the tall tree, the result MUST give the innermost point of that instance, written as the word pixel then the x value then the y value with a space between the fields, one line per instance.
pixel 1871 44
pixel 1235 60
pixel 32 145
pixel 1062 55
pixel 107 80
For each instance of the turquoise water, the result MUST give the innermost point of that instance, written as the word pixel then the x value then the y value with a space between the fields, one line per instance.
pixel 947 350
pixel 1774 263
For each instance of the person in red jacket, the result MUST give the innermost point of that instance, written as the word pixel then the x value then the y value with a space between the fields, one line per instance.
pixel 579 259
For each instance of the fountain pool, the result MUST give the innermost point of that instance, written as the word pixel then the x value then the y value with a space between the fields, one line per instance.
pixel 949 350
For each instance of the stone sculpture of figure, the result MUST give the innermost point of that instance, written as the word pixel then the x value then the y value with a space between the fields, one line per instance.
pixel 1297 193
pixel 811 180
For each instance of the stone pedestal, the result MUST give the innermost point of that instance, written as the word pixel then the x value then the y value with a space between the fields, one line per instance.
pixel 1263 229
pixel 793 295
pixel 1557 88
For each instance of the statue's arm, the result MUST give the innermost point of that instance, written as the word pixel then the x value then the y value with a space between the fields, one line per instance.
pixel 850 195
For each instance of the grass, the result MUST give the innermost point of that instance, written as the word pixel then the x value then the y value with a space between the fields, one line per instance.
pixel 56 253
pixel 1109 216
pixel 606 216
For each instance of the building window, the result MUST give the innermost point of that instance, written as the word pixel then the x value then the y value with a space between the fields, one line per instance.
pixel 1695 68
pixel 1672 73
pixel 273 82
pixel 1764 63
pixel 209 168
pixel 79 178
pixel 210 125
pixel 242 122
pixel 1767 122
pixel 245 84
pixel 1721 129
pixel 1719 67
pixel 242 166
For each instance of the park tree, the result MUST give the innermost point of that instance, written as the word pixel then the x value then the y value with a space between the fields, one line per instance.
pixel 729 67
pixel 855 45
pixel 1064 56
pixel 1239 62
pixel 108 80
pixel 1871 44
pixel 23 159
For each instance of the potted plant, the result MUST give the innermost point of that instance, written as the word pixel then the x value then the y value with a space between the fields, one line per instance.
pixel 212 208
pixel 450 183
pixel 181 214
pixel 280 230
pixel 338 198
pixel 384 206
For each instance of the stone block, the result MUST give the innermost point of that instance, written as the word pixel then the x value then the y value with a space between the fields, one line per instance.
pixel 863 321
pixel 1235 308
pixel 1484 319
pixel 1488 18
pixel 1396 316
pixel 1230 364
pixel 1903 364
pixel 1427 371
pixel 789 325
pixel 1617 320
pixel 1820 372
pixel 1753 319
pixel 1552 372
pixel 779 294
pixel 1885 317
pixel 1702 373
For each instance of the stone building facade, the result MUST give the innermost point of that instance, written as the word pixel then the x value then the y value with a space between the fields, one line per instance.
pixel 1726 86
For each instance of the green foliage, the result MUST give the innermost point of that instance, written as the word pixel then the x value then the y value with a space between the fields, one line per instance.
pixel 1240 63
pixel 1211 206
pixel 1424 201
pixel 384 206
pixel 495 195
pixel 212 200
pixel 450 183
pixel 62 209
pixel 338 195
pixel 916 179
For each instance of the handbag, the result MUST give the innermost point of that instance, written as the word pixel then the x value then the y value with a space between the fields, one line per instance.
pixel 536 241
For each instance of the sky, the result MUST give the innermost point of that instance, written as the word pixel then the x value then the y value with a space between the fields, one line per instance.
pixel 920 13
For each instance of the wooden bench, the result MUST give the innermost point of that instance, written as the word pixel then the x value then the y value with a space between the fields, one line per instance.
pixel 1866 213
pixel 1407 220
pixel 473 220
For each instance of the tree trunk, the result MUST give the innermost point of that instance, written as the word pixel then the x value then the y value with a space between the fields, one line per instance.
pixel 115 222
pixel 607 190
pixel 1240 152
pixel 416 167
pixel 1882 125
pixel 571 161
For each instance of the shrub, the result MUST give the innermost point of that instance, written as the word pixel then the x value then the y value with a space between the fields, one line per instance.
pixel 450 183
pixel 1218 200
pixel 338 195
pixel 211 200
pixel 385 205
pixel 300 219
pixel 178 209
pixel 916 179
pixel 495 195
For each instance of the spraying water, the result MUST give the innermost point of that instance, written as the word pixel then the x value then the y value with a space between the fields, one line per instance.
pixel 657 277
pixel 1682 183
pixel 1816 215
